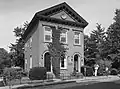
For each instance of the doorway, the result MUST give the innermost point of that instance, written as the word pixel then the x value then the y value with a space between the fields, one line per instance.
pixel 76 65
pixel 47 61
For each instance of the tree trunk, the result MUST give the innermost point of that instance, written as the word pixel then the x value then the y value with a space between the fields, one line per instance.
pixel 56 66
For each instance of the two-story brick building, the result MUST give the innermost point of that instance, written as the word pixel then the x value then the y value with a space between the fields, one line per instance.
pixel 39 34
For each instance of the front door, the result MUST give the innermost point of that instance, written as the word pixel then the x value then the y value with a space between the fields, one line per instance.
pixel 47 61
pixel 76 63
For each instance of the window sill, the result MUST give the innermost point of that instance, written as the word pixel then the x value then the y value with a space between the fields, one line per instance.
pixel 47 42
pixel 77 45
pixel 63 68
pixel 64 44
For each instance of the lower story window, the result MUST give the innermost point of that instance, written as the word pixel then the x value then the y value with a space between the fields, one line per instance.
pixel 63 63
pixel 25 63
pixel 30 61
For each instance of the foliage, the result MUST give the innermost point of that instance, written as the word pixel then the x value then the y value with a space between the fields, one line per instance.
pixel 89 70
pixel 113 71
pixel 4 59
pixel 119 71
pixel 90 61
pixel 94 45
pixel 79 75
pixel 17 49
pixel 101 70
pixel 24 73
pixel 113 37
pixel 3 55
pixel 116 64
pixel 11 74
pixel 103 64
pixel 104 43
pixel 56 49
pixel 37 73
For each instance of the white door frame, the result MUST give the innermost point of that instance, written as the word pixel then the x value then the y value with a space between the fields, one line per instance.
pixel 79 61
pixel 44 61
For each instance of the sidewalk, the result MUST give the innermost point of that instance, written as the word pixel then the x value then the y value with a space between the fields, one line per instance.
pixel 98 78
pixel 58 81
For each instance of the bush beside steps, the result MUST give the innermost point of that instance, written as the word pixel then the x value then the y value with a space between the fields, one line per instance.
pixel 38 73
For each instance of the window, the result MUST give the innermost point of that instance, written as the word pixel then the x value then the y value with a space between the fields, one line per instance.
pixel 25 63
pixel 47 34
pixel 25 47
pixel 63 37
pixel 31 42
pixel 63 63
pixel 25 60
pixel 30 61
pixel 77 38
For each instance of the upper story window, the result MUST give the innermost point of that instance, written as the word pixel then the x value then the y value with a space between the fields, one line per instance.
pixel 26 46
pixel 47 34
pixel 31 42
pixel 77 38
pixel 63 36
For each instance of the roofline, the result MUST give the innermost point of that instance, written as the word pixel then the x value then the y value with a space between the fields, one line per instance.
pixel 62 7
pixel 37 18
pixel 42 16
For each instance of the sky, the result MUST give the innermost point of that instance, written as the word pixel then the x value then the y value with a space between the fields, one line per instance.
pixel 14 13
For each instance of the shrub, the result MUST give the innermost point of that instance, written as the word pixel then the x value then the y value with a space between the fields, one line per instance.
pixel 37 73
pixel 11 74
pixel 24 74
pixel 113 71
pixel 118 70
pixel 89 70
pixel 79 75
pixel 101 71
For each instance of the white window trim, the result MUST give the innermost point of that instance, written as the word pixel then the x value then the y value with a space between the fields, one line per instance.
pixel 30 39
pixel 25 45
pixel 65 63
pixel 79 39
pixel 66 35
pixel 25 60
pixel 30 62
pixel 45 33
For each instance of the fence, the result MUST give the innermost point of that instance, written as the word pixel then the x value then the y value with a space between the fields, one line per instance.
pixel 50 77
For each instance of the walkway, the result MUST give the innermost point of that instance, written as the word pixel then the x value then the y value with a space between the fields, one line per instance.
pixel 85 79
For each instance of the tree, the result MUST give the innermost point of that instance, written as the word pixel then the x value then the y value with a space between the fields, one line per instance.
pixel 57 50
pixel 17 49
pixel 86 46
pixel 4 59
pixel 94 44
pixel 3 55
pixel 113 37
pixel 98 38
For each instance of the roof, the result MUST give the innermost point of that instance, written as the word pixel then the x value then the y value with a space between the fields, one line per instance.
pixel 44 15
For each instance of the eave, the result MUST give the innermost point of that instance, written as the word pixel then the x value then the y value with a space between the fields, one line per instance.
pixel 37 18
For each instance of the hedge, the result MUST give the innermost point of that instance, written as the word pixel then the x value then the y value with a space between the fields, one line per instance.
pixel 37 73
